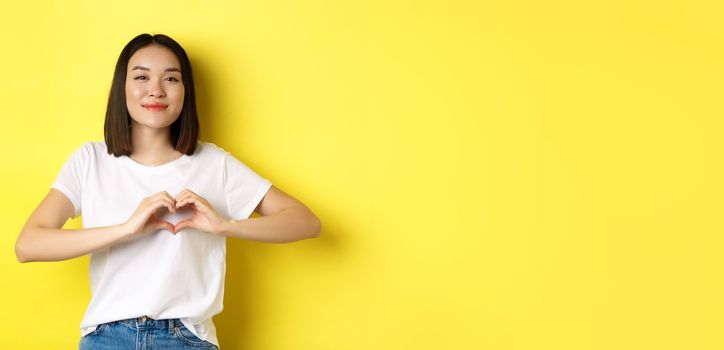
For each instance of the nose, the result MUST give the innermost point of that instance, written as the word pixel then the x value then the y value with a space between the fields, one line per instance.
pixel 156 90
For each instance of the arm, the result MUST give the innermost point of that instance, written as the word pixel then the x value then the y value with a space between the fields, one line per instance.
pixel 284 219
pixel 43 239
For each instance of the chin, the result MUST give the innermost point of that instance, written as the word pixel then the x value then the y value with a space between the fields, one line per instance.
pixel 155 122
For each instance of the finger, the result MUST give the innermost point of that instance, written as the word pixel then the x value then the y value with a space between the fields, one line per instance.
pixel 180 200
pixel 187 193
pixel 183 224
pixel 188 199
pixel 168 203
pixel 168 226
pixel 155 223
pixel 185 196
pixel 161 194
pixel 159 197
pixel 196 203
pixel 164 194
pixel 168 196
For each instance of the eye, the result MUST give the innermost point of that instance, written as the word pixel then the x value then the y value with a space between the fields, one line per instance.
pixel 140 77
pixel 172 79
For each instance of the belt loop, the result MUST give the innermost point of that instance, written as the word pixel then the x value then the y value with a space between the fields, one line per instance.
pixel 171 324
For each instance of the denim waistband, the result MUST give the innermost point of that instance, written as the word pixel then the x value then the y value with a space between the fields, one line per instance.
pixel 145 322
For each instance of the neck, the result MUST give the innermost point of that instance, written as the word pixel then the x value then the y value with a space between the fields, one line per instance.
pixel 152 146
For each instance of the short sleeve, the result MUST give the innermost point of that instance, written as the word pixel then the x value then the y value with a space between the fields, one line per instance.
pixel 71 178
pixel 243 187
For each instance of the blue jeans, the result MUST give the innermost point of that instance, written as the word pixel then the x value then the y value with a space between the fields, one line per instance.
pixel 143 333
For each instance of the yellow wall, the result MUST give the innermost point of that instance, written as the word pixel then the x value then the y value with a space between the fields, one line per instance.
pixel 489 175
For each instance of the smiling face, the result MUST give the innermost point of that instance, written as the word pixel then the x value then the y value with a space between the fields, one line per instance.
pixel 154 89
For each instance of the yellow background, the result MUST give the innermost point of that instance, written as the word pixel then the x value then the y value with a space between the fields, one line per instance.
pixel 489 174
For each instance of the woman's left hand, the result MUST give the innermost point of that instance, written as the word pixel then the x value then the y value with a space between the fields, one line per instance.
pixel 205 218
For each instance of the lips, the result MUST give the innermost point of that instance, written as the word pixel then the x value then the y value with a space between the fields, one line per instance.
pixel 155 106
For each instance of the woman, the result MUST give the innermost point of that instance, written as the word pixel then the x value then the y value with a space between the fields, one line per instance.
pixel 157 206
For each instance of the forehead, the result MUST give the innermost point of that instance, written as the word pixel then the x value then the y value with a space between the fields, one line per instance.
pixel 154 57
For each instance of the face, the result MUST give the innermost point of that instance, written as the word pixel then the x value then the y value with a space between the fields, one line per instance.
pixel 154 89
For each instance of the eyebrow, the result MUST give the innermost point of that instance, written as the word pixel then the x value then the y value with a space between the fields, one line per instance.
pixel 172 69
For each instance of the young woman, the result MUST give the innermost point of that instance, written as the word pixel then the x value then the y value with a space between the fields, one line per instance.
pixel 157 206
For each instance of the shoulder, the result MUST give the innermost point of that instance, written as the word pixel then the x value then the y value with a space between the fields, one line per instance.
pixel 218 154
pixel 209 147
pixel 210 150
pixel 88 150
pixel 96 146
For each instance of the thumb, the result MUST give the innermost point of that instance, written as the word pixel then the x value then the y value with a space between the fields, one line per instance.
pixel 183 224
pixel 161 224
pixel 167 225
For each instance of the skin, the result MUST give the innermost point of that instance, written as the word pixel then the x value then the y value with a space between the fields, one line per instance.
pixel 282 217
pixel 148 80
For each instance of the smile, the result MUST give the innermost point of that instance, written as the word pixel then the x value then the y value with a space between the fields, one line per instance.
pixel 155 108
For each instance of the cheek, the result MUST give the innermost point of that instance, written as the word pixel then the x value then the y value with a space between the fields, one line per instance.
pixel 132 92
pixel 179 95
pixel 133 99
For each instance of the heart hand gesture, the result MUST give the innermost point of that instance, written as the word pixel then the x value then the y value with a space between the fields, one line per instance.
pixel 144 220
pixel 204 217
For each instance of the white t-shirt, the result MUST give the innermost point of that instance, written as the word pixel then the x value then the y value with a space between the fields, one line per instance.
pixel 159 275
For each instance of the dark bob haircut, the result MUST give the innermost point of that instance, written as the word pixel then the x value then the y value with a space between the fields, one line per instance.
pixel 117 129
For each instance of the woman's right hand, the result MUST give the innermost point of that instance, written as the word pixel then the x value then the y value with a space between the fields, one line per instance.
pixel 144 219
